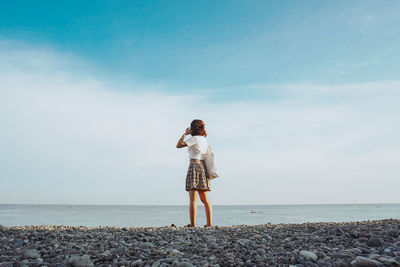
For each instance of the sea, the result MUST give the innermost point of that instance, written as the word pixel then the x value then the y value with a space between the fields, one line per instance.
pixel 163 215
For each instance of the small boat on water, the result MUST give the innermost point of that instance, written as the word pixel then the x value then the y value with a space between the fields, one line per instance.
pixel 253 211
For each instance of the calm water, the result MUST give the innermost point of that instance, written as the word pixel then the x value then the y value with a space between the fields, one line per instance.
pixel 126 215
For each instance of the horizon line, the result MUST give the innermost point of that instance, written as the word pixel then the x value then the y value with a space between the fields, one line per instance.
pixel 297 204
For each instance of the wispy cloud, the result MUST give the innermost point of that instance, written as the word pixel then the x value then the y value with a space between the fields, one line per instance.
pixel 70 137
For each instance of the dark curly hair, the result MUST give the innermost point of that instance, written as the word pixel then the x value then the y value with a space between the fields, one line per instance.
pixel 197 128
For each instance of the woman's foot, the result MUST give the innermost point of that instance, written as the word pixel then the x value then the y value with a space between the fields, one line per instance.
pixel 207 225
pixel 189 225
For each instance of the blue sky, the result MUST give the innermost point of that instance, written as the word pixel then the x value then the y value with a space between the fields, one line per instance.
pixel 300 99
pixel 212 44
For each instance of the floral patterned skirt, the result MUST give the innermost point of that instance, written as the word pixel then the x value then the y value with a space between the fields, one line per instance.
pixel 197 176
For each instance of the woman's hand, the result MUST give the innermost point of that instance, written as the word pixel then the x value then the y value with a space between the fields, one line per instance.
pixel 182 143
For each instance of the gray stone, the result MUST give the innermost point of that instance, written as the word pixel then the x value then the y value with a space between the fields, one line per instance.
pixel 387 251
pixel 138 262
pixel 343 263
pixel 357 251
pixel 167 260
pixel 266 236
pixel 2 228
pixel 308 255
pixel 82 261
pixel 105 256
pixel 373 256
pixel 343 255
pixel 243 241
pixel 278 227
pixel 388 261
pixel 364 262
pixel 185 264
pixel 175 253
pixel 261 251
pixel 31 253
pixel 310 264
pixel 120 250
pixel 18 242
pixel 39 261
pixel 375 241
pixel 147 244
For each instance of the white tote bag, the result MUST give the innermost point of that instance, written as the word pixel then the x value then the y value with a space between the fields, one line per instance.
pixel 210 163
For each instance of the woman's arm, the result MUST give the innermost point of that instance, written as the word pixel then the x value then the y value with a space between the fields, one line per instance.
pixel 182 143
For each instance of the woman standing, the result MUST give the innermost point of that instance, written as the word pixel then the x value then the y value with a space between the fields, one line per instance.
pixel 197 179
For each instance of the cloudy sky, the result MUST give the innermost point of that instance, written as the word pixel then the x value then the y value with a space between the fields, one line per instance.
pixel 300 100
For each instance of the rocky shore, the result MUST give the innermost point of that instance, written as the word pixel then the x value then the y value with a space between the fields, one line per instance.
pixel 368 243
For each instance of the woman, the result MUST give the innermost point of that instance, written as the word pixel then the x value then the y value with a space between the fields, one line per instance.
pixel 197 179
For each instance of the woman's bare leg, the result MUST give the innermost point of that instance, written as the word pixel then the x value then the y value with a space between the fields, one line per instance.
pixel 207 206
pixel 193 207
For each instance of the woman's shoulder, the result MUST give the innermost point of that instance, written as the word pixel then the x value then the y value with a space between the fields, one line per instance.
pixel 199 137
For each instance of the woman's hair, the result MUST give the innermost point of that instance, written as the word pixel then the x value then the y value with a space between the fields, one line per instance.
pixel 197 128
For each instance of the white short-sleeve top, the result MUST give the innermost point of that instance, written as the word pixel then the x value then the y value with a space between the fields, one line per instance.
pixel 197 146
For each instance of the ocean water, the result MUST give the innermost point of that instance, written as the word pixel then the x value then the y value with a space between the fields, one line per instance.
pixel 223 215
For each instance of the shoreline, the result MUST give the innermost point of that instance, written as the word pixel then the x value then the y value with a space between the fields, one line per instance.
pixel 176 227
pixel 214 205
pixel 362 243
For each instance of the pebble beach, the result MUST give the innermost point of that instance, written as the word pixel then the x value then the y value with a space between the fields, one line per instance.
pixel 367 243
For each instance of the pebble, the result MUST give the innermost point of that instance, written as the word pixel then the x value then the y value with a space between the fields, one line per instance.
pixel 308 255
pixel 364 262
pixel 389 261
pixel 185 264
pixel 357 251
pixel 369 243
pixel 374 256
pixel 83 261
pixel 137 262
pixel 267 237
pixel 375 241
pixel 175 253
pixel 31 253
